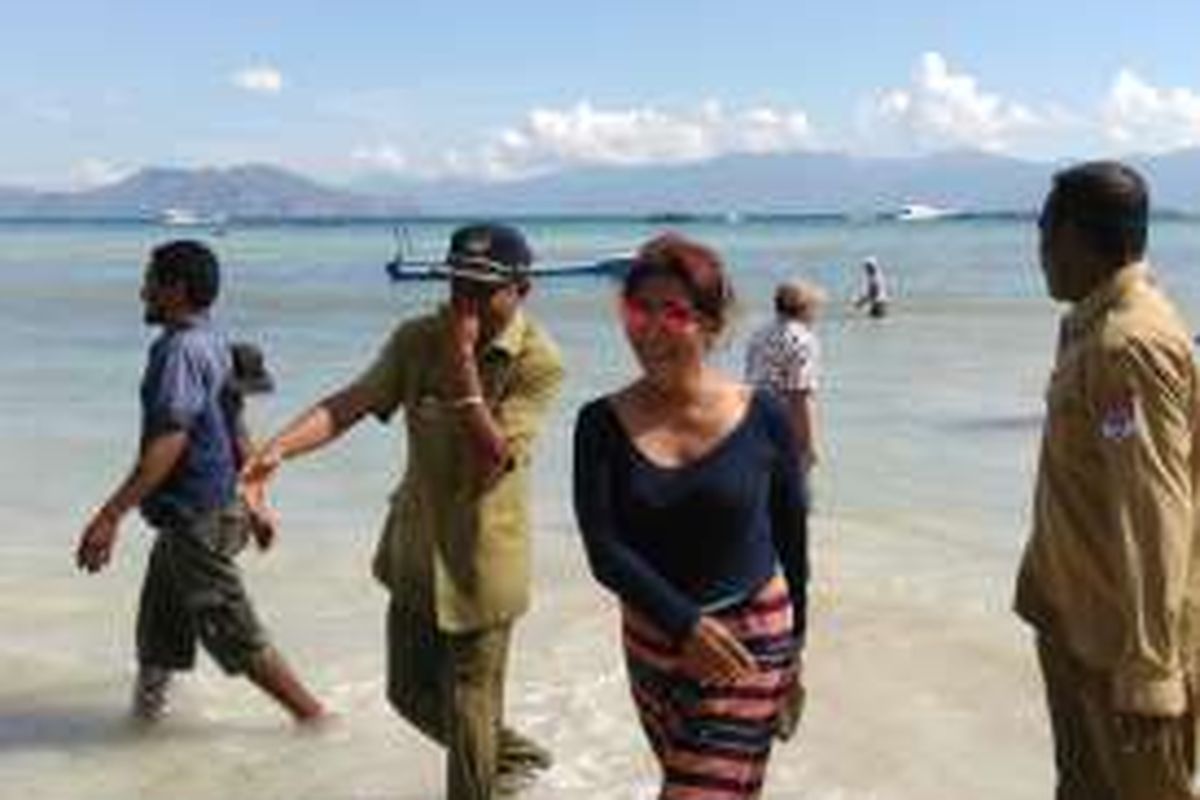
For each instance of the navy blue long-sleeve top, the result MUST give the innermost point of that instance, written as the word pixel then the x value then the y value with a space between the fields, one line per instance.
pixel 670 541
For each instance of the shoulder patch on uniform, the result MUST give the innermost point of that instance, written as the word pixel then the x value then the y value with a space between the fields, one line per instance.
pixel 1119 420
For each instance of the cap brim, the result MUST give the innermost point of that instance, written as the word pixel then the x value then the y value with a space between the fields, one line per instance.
pixel 477 275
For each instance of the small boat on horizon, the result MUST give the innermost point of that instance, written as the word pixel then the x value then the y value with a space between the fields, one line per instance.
pixel 672 217
pixel 402 270
pixel 178 217
pixel 921 212
pixel 181 217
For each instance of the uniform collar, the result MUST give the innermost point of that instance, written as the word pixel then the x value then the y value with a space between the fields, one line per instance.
pixel 1108 294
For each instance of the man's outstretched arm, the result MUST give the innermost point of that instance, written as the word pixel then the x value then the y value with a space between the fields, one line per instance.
pixel 314 428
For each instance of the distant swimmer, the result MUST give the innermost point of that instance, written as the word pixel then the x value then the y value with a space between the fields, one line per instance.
pixel 874 296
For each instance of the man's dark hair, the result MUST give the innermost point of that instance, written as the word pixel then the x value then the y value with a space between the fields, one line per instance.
pixel 1109 203
pixel 191 264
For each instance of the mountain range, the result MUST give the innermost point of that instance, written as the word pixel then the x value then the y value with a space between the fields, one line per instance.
pixel 244 192
pixel 797 183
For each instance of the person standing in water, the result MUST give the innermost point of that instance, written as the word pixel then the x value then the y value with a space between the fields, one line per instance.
pixel 688 493
pixel 874 296
pixel 784 357
pixel 473 379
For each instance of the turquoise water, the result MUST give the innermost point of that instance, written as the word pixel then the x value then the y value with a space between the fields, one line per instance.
pixel 929 412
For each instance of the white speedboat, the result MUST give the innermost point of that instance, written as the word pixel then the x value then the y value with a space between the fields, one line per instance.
pixel 181 217
pixel 919 212
pixel 187 218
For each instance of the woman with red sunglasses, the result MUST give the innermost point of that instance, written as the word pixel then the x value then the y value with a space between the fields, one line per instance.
pixel 691 504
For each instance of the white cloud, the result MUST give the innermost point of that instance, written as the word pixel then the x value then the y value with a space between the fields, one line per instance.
pixel 548 140
pixel 942 109
pixel 583 135
pixel 1150 119
pixel 261 79
pixel 91 173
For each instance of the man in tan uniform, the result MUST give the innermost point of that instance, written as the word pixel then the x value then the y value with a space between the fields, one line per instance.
pixel 1110 579
pixel 474 379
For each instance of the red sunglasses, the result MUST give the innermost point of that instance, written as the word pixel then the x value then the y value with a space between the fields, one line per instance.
pixel 675 316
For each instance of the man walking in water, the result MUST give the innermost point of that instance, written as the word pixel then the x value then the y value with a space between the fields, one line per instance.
pixel 185 483
pixel 473 379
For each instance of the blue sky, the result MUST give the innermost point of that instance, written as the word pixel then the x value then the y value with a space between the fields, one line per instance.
pixel 93 90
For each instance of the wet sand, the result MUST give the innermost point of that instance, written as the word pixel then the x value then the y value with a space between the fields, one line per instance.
pixel 922 685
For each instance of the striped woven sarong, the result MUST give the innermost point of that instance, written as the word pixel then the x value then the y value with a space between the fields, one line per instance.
pixel 713 741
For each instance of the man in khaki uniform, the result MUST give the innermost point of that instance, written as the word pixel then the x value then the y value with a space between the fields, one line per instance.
pixel 1110 578
pixel 474 379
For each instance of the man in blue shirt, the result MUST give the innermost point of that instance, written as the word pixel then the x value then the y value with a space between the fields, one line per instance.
pixel 185 484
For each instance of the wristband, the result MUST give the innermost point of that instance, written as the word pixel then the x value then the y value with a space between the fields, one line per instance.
pixel 466 401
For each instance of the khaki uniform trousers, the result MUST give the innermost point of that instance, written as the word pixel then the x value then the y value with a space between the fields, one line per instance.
pixel 1091 763
pixel 451 687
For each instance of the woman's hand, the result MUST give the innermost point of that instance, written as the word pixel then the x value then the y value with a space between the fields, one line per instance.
pixel 791 707
pixel 711 654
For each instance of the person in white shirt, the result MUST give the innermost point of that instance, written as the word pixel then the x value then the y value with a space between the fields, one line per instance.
pixel 874 296
pixel 784 357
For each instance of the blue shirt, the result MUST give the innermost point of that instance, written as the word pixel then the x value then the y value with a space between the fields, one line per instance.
pixel 672 540
pixel 185 388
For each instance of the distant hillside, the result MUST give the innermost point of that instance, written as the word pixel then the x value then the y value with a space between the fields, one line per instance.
pixel 791 183
pixel 804 183
pixel 1174 179
pixel 798 183
pixel 13 201
pixel 238 192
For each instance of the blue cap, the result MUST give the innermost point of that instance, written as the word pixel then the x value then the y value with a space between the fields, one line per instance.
pixel 488 252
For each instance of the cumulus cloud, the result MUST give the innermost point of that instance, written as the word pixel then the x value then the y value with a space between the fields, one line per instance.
pixel 91 173
pixel 1148 118
pixel 550 139
pixel 941 108
pixel 261 79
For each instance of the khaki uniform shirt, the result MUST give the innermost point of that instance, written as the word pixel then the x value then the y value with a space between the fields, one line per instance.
pixel 1110 571
pixel 451 547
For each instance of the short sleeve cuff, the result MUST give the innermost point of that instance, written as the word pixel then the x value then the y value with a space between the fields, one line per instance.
pixel 1164 697
pixel 167 421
